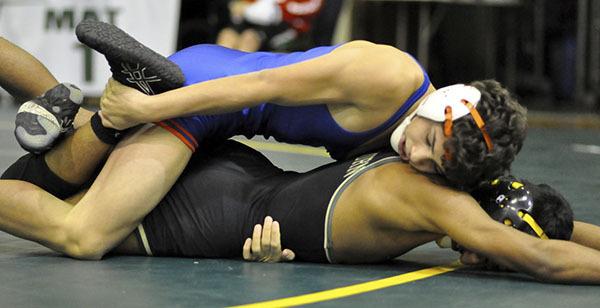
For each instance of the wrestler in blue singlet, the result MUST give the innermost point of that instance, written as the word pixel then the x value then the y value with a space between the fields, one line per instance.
pixel 310 125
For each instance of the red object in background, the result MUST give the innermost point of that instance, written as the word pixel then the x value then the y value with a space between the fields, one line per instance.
pixel 299 13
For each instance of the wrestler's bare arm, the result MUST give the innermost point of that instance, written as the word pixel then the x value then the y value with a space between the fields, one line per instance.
pixel 22 75
pixel 136 176
pixel 459 216
pixel 359 72
pixel 586 234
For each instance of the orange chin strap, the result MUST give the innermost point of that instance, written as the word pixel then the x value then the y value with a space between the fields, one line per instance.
pixel 476 117
pixel 448 129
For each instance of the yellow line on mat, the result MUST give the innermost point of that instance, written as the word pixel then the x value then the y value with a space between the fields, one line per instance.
pixel 285 148
pixel 356 289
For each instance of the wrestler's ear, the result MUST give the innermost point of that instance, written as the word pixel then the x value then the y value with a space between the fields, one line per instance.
pixel 471 258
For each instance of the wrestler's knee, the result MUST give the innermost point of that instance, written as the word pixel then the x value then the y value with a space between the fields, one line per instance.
pixel 83 243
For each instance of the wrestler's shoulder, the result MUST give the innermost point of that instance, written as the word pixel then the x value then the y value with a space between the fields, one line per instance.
pixel 389 64
pixel 376 50
pixel 384 187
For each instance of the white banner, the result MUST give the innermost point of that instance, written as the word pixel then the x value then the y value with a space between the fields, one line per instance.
pixel 46 29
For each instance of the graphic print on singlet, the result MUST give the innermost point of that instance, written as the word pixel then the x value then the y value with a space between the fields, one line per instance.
pixel 359 163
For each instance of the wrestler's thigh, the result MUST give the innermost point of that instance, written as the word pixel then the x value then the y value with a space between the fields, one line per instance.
pixel 136 176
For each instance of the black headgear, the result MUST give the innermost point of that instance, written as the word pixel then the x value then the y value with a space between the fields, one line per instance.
pixel 508 201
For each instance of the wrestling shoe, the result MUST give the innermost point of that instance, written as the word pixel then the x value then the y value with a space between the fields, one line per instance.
pixel 131 63
pixel 42 120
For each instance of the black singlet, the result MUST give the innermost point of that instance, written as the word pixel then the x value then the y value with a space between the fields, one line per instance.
pixel 223 193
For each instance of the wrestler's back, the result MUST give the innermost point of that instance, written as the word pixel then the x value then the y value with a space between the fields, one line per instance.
pixel 382 203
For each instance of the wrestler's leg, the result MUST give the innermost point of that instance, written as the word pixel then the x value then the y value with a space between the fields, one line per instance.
pixel 129 246
pixel 68 165
pixel 76 158
pixel 29 212
pixel 136 176
pixel 26 77
pixel 22 75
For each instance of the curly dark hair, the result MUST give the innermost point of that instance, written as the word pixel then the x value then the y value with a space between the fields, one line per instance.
pixel 506 123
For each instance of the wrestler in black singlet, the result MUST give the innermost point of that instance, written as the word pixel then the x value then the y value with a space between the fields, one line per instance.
pixel 223 193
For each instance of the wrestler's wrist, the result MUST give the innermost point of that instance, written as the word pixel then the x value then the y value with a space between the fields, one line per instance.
pixel 149 110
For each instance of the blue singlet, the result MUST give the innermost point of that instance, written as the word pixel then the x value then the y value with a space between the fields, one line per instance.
pixel 310 125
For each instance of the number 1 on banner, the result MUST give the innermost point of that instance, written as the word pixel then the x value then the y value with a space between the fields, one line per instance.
pixel 88 63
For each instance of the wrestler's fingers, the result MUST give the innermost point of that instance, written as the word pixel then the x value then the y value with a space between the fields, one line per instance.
pixel 256 240
pixel 246 252
pixel 288 255
pixel 275 240
pixel 266 236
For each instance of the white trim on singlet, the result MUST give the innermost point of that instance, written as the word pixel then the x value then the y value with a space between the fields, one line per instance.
pixel 144 239
pixel 327 242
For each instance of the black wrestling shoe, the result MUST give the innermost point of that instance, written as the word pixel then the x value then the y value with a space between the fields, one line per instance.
pixel 131 63
pixel 42 120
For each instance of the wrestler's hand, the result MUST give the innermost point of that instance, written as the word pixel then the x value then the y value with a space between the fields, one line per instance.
pixel 265 244
pixel 122 107
pixel 472 259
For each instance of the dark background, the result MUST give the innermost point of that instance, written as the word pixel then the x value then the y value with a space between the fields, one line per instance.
pixel 531 46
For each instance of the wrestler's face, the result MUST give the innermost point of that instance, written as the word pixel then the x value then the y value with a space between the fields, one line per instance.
pixel 422 145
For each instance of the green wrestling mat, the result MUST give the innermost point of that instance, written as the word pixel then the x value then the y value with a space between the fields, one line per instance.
pixel 33 276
